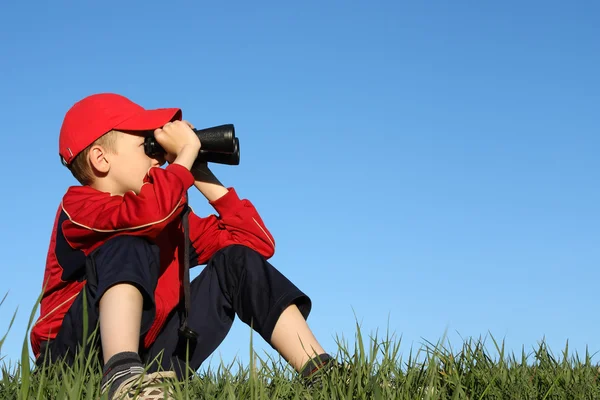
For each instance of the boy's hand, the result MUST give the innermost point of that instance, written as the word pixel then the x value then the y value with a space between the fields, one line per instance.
pixel 179 141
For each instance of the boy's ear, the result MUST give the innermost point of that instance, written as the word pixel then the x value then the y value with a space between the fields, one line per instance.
pixel 98 160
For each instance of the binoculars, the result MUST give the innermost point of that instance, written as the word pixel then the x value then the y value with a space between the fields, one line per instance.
pixel 218 144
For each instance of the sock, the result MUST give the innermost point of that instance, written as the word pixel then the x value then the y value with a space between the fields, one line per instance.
pixel 315 364
pixel 118 368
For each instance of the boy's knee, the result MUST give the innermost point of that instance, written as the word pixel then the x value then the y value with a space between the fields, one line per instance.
pixel 127 242
pixel 241 256
pixel 126 259
pixel 127 253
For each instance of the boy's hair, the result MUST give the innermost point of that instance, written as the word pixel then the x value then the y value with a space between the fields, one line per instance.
pixel 81 168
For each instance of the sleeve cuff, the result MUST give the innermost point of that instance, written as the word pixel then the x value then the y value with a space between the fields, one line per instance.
pixel 182 173
pixel 227 203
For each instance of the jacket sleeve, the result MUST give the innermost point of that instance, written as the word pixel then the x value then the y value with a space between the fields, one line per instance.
pixel 238 222
pixel 161 199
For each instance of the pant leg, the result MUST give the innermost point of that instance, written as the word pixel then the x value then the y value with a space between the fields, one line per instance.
pixel 123 259
pixel 236 280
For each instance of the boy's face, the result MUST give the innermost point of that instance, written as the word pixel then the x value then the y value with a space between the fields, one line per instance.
pixel 129 164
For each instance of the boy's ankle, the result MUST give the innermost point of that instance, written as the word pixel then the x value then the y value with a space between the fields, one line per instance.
pixel 314 365
pixel 118 368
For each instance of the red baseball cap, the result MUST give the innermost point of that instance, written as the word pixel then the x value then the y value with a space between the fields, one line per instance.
pixel 95 115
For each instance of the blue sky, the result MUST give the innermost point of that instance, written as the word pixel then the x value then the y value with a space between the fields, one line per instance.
pixel 423 166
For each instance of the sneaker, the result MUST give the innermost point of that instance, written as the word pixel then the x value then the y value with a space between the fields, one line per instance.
pixel 145 387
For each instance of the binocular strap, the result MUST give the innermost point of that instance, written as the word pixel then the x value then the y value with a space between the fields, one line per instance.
pixel 185 330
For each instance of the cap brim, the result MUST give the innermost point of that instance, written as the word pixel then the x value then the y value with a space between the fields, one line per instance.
pixel 150 119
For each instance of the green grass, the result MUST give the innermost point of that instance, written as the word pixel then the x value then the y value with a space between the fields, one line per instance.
pixel 374 369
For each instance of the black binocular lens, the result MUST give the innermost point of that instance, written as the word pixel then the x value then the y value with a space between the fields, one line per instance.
pixel 218 138
pixel 218 145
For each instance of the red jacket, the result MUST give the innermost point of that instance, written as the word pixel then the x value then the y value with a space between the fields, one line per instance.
pixel 87 218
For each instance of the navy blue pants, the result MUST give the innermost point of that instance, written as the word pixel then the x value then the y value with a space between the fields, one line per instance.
pixel 236 280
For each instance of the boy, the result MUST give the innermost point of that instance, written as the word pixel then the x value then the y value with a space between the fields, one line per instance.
pixel 119 240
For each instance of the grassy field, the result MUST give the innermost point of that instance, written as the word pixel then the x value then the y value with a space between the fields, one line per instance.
pixel 373 368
